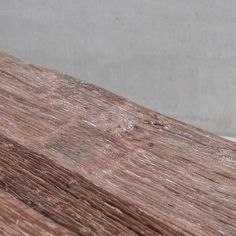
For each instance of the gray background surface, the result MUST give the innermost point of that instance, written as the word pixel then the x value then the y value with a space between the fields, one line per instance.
pixel 177 57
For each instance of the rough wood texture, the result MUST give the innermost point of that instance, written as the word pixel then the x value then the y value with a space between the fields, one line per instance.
pixel 76 159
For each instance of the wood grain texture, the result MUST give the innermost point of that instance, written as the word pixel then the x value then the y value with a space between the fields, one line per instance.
pixel 76 159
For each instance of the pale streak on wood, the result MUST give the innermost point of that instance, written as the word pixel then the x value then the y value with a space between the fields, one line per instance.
pixel 179 175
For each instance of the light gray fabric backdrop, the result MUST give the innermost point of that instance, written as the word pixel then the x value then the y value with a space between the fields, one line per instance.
pixel 177 57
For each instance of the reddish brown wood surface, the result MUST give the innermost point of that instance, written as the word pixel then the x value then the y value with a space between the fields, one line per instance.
pixel 76 159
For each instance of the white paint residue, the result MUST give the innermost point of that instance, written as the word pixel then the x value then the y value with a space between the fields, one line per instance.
pixel 146 157
pixel 170 181
pixel 220 231
pixel 130 124
pixel 52 77
pixel 90 123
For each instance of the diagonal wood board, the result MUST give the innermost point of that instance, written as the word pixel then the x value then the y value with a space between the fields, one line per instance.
pixel 76 159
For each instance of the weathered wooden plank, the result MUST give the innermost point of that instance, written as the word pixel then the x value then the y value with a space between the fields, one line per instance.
pixel 69 199
pixel 94 155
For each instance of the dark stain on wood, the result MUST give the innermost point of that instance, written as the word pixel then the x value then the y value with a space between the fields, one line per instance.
pixel 76 159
